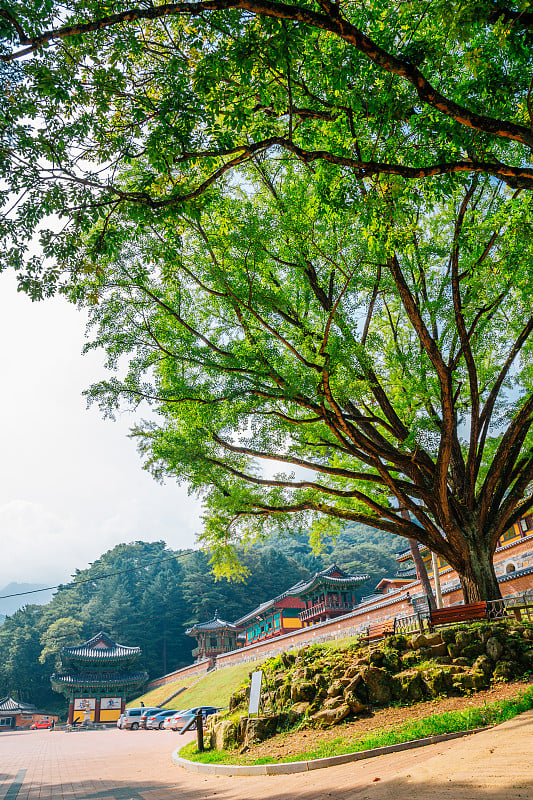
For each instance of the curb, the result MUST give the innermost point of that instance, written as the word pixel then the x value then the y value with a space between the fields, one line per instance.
pixel 291 767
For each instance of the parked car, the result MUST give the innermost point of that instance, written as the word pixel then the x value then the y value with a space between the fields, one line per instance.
pixel 132 717
pixel 155 721
pixel 148 712
pixel 182 718
pixel 120 720
pixel 167 723
pixel 43 723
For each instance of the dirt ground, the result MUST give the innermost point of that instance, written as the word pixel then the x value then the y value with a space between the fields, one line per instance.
pixel 287 744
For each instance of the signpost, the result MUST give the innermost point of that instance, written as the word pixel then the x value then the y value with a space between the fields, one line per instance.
pixel 198 720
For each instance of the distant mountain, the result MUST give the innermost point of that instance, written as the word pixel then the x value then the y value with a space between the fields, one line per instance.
pixel 12 604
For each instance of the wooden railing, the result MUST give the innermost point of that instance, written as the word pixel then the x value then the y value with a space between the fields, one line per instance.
pixel 324 608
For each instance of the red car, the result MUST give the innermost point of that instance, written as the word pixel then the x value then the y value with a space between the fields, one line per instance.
pixel 43 723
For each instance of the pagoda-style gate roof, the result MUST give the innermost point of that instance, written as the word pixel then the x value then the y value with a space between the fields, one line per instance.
pixel 215 624
pixel 98 665
pixel 91 681
pixel 100 650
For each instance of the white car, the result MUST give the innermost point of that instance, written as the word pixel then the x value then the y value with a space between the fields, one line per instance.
pixel 167 724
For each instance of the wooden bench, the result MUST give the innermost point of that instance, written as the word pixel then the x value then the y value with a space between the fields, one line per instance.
pixel 454 614
pixel 378 630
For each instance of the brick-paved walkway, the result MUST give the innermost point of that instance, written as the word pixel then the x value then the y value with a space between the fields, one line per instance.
pixel 124 765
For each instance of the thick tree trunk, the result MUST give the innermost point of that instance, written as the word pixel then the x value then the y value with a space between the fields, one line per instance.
pixel 478 579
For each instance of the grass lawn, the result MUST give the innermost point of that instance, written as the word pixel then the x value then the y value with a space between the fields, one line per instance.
pixel 448 722
pixel 213 689
pixel 156 696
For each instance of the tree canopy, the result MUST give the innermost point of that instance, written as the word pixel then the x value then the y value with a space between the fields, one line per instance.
pixel 307 229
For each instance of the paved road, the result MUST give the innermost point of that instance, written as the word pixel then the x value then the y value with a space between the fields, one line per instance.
pixel 122 765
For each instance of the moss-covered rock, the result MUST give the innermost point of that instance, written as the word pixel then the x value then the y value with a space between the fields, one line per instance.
pixel 417 641
pixel 392 661
pixel 260 728
pixel 302 691
pixel 356 706
pixel 463 683
pixel 480 680
pixel 376 657
pixel 438 682
pixel 483 664
pixel 287 659
pixel 331 716
pixel 284 694
pixel 224 735
pixel 238 698
pixel 336 689
pixel 410 686
pixel 409 659
pixel 297 711
pixel 504 671
pixel 378 685
pixel 472 651
pixel 334 702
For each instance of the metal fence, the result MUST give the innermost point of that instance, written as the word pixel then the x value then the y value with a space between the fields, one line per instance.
pixel 412 623
pixel 514 606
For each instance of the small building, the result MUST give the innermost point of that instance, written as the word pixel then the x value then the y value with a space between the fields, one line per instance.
pixel 272 618
pixel 17 715
pixel 96 677
pixel 389 585
pixel 328 594
pixel 214 637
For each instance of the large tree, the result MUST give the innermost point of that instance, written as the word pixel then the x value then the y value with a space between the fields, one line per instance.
pixel 385 362
pixel 363 314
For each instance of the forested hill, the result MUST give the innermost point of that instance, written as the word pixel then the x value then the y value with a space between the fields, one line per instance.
pixel 153 605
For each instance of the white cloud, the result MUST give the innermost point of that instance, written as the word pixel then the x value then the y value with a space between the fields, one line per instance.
pixel 71 484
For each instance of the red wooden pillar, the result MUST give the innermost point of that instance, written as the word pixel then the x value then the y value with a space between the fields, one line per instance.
pixel 71 712
pixel 122 706
pixel 97 710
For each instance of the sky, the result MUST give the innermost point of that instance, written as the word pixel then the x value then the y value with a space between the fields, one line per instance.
pixel 71 484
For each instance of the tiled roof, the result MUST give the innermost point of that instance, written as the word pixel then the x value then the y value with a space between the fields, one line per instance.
pixel 215 624
pixel 109 650
pixel 99 678
pixel 516 574
pixel 10 706
pixel 303 586
pixel 326 576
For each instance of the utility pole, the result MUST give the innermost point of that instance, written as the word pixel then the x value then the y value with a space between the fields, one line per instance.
pixel 421 571
pixel 436 579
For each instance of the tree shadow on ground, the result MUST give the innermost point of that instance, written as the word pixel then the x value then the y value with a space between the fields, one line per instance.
pixel 198 787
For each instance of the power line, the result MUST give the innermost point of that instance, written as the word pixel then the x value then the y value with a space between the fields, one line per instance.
pixel 90 580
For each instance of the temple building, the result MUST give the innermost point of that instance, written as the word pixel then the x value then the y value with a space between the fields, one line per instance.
pixel 96 676
pixel 15 715
pixel 330 593
pixel 272 618
pixel 513 557
pixel 214 637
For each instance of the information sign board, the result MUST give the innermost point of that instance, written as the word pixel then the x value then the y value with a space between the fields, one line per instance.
pixel 84 704
pixel 255 692
pixel 110 703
